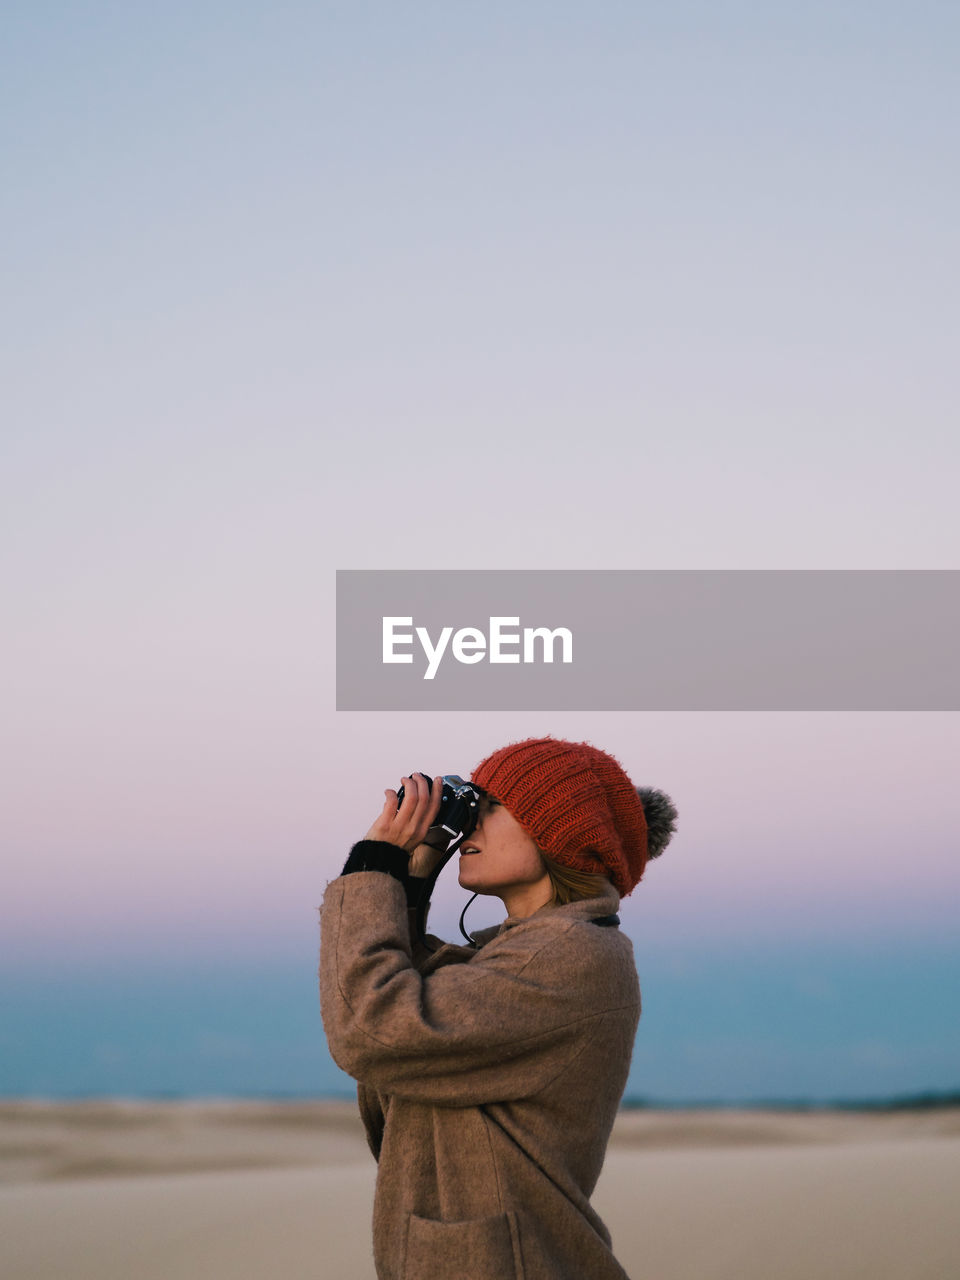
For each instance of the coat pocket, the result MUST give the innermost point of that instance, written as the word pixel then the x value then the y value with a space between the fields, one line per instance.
pixel 476 1249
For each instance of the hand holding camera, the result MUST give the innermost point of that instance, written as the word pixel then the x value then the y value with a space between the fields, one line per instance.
pixel 423 817
pixel 407 816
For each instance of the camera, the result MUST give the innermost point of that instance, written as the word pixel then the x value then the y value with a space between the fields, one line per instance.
pixel 459 809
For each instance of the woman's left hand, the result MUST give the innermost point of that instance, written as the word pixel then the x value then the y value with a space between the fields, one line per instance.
pixel 407 826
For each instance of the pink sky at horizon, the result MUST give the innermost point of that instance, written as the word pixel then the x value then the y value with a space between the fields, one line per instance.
pixel 790 826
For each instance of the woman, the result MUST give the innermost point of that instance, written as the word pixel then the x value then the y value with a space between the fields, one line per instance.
pixel 489 1076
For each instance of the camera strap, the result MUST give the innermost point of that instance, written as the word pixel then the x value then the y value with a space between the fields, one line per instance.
pixel 427 890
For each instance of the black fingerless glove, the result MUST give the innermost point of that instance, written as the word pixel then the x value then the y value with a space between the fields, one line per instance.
pixel 378 855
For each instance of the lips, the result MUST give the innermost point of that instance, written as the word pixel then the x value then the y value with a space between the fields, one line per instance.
pixel 468 849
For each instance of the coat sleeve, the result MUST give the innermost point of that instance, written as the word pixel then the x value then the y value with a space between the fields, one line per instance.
pixel 496 1029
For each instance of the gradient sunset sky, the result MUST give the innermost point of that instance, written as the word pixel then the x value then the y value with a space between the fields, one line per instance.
pixel 294 288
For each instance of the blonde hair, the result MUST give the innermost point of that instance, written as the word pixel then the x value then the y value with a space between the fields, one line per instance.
pixel 570 885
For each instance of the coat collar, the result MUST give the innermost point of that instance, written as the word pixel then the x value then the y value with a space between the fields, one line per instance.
pixel 604 904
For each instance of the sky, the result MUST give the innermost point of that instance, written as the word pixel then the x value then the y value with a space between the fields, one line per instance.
pixel 300 288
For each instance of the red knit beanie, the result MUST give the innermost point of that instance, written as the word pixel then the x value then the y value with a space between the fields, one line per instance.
pixel 577 803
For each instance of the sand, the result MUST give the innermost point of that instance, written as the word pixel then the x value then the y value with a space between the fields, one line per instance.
pixel 144 1191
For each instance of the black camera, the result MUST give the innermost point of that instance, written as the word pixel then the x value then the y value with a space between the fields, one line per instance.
pixel 458 813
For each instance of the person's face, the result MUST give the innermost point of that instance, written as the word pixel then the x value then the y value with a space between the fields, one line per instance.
pixel 500 858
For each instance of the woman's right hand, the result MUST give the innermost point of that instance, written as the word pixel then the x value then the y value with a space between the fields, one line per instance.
pixel 407 826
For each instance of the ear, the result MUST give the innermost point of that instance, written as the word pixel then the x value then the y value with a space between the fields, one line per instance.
pixel 661 815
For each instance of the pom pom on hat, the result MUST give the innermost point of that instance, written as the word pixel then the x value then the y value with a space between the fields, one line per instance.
pixel 661 815
pixel 580 807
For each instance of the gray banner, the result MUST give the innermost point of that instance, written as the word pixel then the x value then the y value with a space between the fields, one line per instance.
pixel 648 640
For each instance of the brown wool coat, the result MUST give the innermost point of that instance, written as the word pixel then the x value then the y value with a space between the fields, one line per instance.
pixel 488 1080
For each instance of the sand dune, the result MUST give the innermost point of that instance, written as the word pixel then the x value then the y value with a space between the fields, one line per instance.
pixel 141 1191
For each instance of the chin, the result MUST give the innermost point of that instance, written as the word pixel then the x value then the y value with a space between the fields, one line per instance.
pixel 472 887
